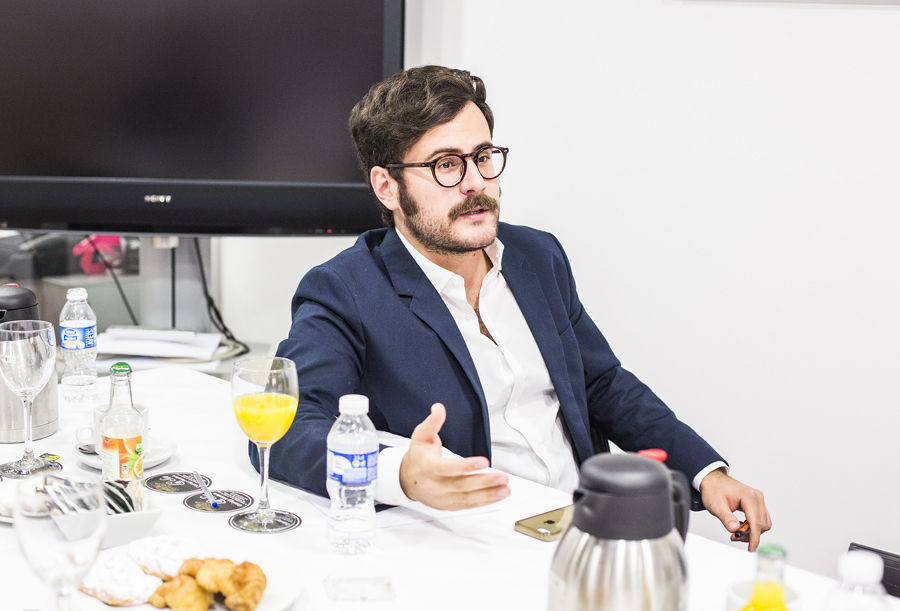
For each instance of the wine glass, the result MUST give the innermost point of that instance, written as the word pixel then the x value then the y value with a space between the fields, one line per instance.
pixel 264 396
pixel 59 523
pixel 27 360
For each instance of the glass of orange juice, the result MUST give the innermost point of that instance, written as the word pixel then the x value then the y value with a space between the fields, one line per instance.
pixel 264 395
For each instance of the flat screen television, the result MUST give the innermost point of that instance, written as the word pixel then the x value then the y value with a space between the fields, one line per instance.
pixel 189 117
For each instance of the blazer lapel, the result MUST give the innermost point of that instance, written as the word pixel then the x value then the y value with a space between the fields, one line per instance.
pixel 410 281
pixel 527 290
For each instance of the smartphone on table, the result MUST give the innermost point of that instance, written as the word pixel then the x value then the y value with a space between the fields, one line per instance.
pixel 547 526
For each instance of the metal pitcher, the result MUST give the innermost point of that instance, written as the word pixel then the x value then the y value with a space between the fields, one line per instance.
pixel 624 550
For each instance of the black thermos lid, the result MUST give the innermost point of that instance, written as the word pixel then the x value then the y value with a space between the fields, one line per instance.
pixel 17 303
pixel 624 496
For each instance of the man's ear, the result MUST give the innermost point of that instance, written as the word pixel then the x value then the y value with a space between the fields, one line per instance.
pixel 385 187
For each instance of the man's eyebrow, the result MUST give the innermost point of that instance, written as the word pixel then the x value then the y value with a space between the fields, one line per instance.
pixel 456 150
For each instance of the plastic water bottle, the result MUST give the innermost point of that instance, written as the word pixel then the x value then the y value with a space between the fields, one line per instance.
pixel 78 340
pixel 860 572
pixel 352 465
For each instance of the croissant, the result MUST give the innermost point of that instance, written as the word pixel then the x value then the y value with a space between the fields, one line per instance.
pixel 242 584
pixel 181 594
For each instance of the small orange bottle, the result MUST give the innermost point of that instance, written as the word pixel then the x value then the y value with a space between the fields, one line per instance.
pixel 768 587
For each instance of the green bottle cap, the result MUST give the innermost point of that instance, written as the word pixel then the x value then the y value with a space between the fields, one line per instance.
pixel 120 367
pixel 771 550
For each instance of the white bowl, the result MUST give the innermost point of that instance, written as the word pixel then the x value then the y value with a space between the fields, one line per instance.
pixel 123 528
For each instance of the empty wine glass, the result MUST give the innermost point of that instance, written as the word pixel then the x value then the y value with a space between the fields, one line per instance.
pixel 27 360
pixel 264 396
pixel 59 523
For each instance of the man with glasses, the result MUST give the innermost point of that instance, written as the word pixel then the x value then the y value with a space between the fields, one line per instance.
pixel 465 333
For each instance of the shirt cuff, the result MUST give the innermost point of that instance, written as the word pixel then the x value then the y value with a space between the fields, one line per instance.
pixel 387 486
pixel 697 478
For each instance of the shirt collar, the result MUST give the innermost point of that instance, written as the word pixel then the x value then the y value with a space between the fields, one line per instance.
pixel 441 277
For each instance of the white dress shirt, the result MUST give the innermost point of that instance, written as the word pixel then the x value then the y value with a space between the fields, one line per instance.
pixel 527 434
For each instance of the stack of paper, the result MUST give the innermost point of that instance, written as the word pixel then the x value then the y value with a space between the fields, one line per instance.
pixel 156 343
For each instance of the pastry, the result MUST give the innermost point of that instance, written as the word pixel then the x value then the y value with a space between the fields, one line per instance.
pixel 162 556
pixel 116 580
pixel 181 594
pixel 242 584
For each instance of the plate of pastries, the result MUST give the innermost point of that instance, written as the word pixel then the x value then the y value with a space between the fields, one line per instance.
pixel 177 574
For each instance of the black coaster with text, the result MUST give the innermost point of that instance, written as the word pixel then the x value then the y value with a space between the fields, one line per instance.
pixel 227 500
pixel 175 483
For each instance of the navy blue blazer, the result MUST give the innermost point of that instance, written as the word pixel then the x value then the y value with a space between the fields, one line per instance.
pixel 368 321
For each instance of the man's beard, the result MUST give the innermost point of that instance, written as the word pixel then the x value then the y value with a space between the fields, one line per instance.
pixel 437 236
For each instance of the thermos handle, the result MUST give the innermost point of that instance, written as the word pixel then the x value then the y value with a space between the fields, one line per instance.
pixel 681 502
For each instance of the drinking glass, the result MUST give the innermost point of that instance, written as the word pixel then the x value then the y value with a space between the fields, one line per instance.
pixel 264 396
pixel 59 523
pixel 27 360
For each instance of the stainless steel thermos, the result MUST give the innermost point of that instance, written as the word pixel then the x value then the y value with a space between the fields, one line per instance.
pixel 19 303
pixel 624 550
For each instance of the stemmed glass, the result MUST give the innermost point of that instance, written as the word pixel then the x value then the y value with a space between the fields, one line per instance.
pixel 27 360
pixel 59 523
pixel 264 396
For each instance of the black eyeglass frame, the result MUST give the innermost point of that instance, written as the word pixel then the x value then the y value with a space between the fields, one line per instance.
pixel 465 166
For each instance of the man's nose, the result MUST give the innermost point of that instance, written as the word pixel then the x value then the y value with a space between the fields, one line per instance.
pixel 473 181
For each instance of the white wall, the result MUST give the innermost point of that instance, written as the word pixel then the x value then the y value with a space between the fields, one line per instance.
pixel 724 177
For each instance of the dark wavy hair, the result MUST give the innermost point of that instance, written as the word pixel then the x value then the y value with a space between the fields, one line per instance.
pixel 396 112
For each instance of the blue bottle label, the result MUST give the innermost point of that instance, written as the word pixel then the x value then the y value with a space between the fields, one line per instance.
pixel 352 468
pixel 78 338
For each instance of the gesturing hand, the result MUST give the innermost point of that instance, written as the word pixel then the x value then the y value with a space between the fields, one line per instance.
pixel 446 483
pixel 723 495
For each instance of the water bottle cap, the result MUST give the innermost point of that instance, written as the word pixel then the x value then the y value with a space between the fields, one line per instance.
pixel 353 405
pixel 120 367
pixel 76 294
pixel 861 567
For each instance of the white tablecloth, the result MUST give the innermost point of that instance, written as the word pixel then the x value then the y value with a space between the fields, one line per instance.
pixel 467 561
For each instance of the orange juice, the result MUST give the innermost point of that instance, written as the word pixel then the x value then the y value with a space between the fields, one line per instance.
pixel 767 596
pixel 265 417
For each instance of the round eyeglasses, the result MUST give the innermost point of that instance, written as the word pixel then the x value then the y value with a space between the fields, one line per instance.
pixel 450 169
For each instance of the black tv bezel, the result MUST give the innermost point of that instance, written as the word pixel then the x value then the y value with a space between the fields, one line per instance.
pixel 229 208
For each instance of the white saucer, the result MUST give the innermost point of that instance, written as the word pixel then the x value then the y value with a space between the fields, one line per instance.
pixel 157 452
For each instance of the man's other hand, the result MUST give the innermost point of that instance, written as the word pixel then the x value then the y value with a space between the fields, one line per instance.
pixel 722 495
pixel 446 483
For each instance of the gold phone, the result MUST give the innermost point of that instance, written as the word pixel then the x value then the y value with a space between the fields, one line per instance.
pixel 547 526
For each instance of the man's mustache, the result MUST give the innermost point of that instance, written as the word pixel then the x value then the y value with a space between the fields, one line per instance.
pixel 474 202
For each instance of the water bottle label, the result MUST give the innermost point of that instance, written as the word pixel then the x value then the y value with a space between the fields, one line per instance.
pixel 352 468
pixel 78 338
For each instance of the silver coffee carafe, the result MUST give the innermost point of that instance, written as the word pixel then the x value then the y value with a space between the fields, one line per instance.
pixel 19 303
pixel 624 550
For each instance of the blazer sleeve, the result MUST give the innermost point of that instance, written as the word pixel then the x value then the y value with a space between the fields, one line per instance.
pixel 622 408
pixel 326 341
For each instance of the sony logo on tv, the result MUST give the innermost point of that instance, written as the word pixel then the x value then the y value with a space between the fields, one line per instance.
pixel 158 199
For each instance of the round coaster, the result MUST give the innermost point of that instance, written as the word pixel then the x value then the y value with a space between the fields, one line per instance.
pixel 175 483
pixel 278 522
pixel 227 500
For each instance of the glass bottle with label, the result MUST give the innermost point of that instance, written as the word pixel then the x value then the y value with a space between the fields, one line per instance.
pixel 768 587
pixel 122 429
